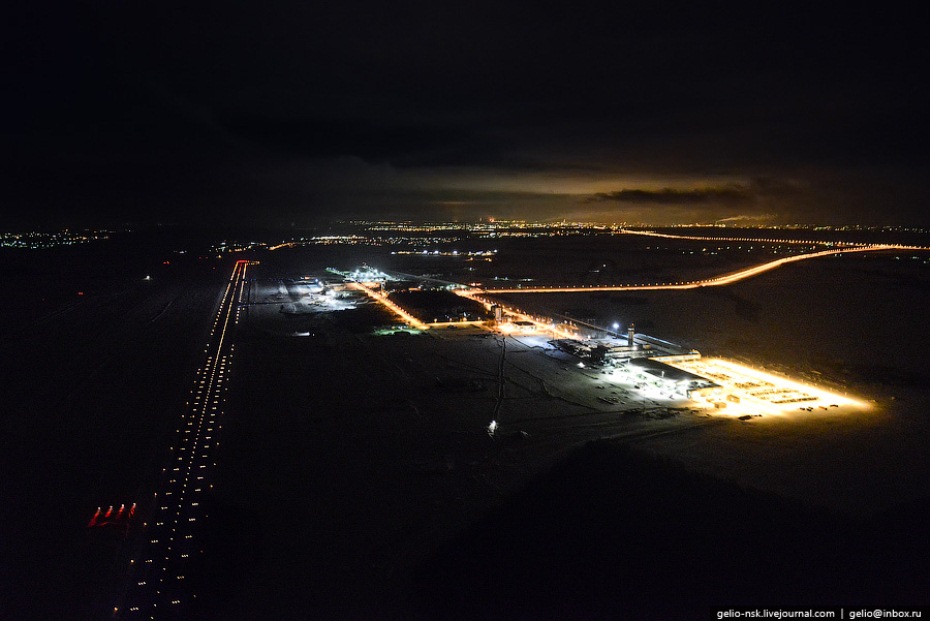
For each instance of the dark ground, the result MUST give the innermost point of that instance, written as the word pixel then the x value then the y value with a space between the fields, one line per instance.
pixel 352 486
pixel 91 386
pixel 611 533
pixel 357 491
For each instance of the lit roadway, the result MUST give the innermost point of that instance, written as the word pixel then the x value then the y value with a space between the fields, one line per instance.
pixel 717 281
pixel 159 584
pixel 547 326
pixel 564 332
pixel 805 242
pixel 377 296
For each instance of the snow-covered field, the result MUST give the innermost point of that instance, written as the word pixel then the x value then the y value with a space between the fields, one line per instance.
pixel 333 428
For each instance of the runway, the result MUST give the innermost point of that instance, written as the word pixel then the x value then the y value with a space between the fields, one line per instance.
pixel 159 584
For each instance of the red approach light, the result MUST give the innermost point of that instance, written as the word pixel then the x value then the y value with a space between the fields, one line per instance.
pixel 121 517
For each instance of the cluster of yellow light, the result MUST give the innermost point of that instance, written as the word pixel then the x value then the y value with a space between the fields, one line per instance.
pixel 507 328
pixel 514 315
pixel 457 324
pixel 38 240
pixel 750 386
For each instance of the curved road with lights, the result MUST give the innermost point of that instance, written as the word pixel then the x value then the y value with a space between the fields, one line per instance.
pixel 717 281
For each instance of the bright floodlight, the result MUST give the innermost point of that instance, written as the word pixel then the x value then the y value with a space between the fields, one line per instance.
pixel 616 326
pixel 492 427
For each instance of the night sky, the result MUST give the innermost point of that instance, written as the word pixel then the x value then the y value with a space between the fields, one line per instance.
pixel 279 112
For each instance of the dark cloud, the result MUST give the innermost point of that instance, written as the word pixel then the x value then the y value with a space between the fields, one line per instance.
pixel 127 108
pixel 762 199
pixel 728 195
pixel 754 191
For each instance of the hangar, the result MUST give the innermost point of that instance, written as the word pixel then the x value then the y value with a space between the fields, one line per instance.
pixel 667 378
